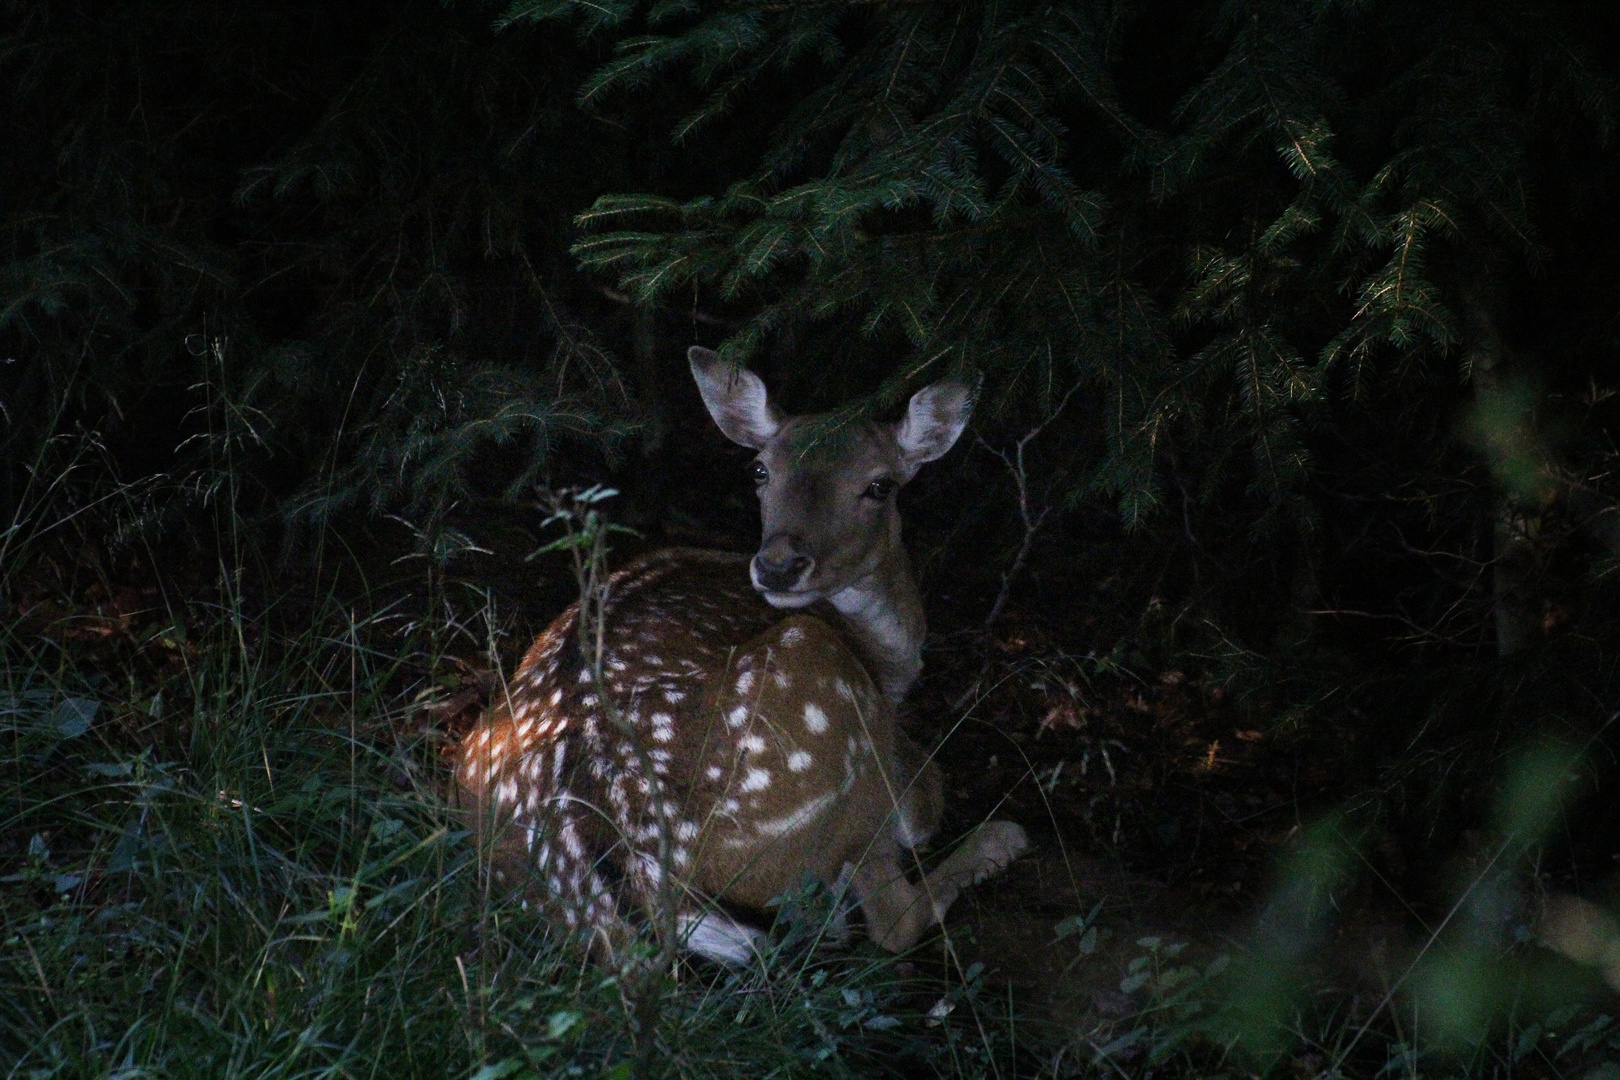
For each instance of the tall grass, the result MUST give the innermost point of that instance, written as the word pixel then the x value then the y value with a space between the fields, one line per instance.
pixel 246 868
pixel 225 852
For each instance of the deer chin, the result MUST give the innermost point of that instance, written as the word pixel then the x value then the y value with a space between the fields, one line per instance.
pixel 789 601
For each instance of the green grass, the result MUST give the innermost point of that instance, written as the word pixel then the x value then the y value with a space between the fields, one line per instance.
pixel 226 855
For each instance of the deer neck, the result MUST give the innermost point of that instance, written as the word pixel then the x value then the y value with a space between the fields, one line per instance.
pixel 884 614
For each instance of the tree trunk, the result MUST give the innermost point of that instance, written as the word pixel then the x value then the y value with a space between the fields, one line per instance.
pixel 1515 604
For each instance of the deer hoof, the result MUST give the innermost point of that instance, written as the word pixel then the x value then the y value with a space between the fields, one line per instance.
pixel 1000 842
pixel 715 937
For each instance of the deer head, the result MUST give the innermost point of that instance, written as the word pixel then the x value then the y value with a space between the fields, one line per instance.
pixel 830 528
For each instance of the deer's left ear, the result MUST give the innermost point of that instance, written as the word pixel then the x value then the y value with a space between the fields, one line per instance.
pixel 934 421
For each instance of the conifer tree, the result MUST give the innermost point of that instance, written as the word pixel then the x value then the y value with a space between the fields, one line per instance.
pixel 1271 242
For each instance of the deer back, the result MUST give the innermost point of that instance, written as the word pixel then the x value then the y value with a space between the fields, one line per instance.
pixel 763 732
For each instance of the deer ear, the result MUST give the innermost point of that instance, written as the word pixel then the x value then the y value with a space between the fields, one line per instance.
pixel 934 421
pixel 736 398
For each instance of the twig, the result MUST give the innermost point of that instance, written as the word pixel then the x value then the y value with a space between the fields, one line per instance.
pixel 1032 520
pixel 697 316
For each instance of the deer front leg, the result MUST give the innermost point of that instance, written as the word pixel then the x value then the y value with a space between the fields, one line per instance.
pixel 920 788
pixel 898 912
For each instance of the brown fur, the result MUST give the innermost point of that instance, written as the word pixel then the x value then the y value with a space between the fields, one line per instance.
pixel 727 747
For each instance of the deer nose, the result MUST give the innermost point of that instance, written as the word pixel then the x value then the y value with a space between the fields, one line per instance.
pixel 779 567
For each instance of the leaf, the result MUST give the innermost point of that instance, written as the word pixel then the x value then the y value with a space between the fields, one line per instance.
pixel 1130 984
pixel 1119 1046
pixel 122 859
pixel 71 718
pixel 1074 924
pixel 562 1022
pixel 1526 1042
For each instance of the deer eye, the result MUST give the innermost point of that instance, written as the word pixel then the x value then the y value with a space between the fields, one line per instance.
pixel 879 489
pixel 760 474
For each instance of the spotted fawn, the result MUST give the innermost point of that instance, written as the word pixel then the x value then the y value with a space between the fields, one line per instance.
pixel 732 728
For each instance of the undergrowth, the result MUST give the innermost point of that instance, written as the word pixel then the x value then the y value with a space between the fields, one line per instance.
pixel 225 852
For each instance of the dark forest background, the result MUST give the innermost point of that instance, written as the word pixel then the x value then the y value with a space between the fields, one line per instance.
pixel 1325 286
pixel 1297 324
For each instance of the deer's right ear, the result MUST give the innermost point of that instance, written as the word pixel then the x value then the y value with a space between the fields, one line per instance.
pixel 736 399
pixel 934 421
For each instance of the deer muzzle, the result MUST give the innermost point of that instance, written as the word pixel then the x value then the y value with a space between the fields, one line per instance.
pixel 779 566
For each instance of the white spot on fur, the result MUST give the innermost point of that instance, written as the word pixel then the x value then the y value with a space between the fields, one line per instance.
pixel 814 719
pixel 756 780
pixel 713 772
pixel 737 717
pixel 649 868
pixel 745 682
pixel 799 761
pixel 797 820
pixel 753 744
pixel 792 636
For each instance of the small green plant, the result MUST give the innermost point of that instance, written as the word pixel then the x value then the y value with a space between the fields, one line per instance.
pixel 1174 1002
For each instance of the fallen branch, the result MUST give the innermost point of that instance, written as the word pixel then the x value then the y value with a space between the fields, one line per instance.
pixel 1032 519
